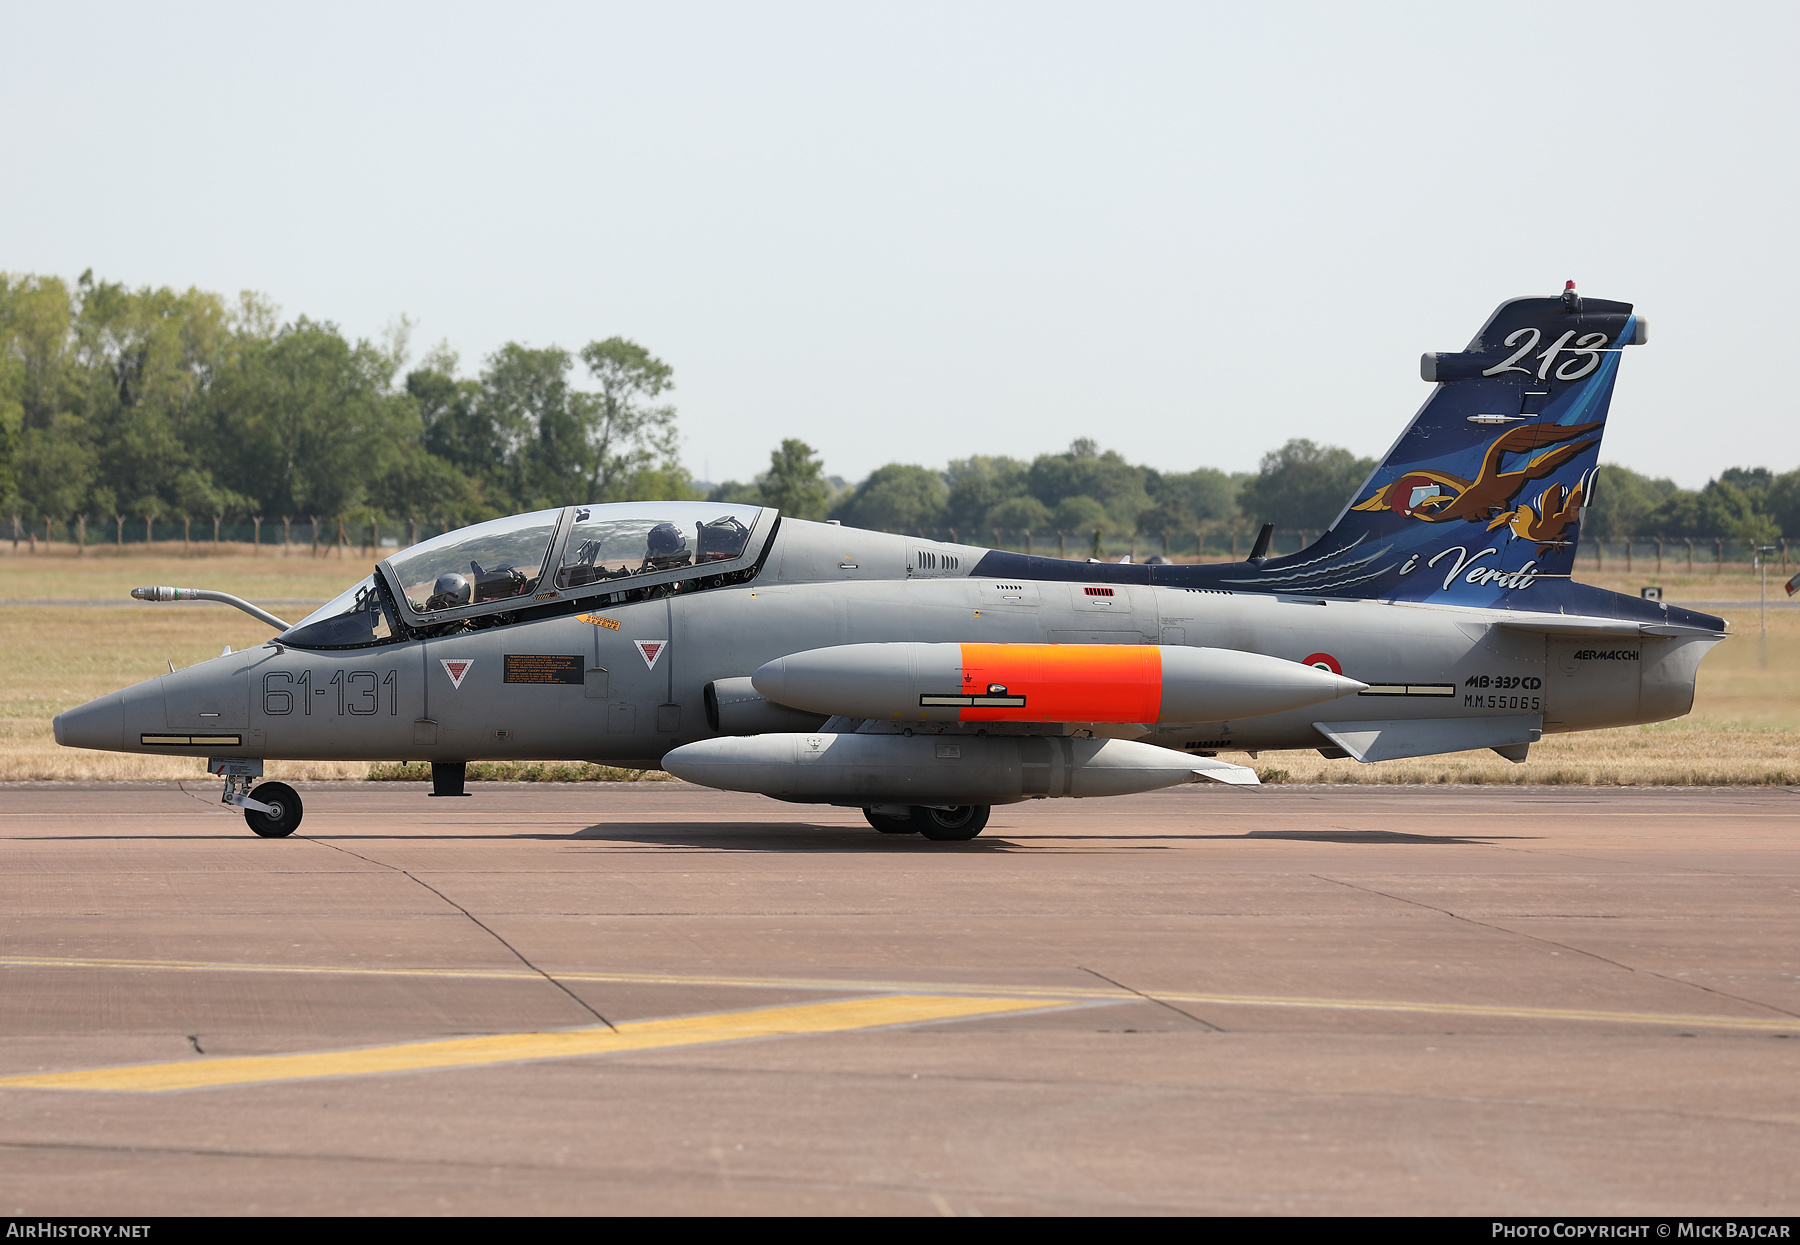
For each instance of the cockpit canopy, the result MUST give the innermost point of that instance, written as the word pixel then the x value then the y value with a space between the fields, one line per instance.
pixel 572 552
pixel 356 617
pixel 618 542
pixel 494 561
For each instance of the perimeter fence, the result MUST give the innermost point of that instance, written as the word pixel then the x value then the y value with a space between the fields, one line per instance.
pixel 322 535
pixel 306 535
pixel 1666 554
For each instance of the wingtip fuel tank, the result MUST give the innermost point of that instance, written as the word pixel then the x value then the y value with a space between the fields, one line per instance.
pixel 1146 683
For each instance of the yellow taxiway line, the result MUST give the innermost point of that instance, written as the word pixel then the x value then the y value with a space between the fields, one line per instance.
pixel 835 1017
pixel 1067 994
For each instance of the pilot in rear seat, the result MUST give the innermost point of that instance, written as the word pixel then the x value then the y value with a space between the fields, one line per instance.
pixel 665 549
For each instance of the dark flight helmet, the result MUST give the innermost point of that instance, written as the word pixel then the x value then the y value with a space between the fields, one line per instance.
pixel 665 542
pixel 449 591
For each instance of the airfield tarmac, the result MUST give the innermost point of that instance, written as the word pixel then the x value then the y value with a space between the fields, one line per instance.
pixel 652 998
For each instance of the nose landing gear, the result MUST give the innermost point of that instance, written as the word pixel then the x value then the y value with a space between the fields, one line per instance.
pixel 280 811
pixel 272 810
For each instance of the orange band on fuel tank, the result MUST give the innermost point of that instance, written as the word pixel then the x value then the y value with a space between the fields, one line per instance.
pixel 1064 682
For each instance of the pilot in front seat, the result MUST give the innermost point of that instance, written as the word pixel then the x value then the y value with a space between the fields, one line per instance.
pixel 449 591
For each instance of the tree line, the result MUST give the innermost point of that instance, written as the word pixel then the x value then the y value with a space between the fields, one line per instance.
pixel 154 402
pixel 1301 486
pixel 159 402
pixel 1083 489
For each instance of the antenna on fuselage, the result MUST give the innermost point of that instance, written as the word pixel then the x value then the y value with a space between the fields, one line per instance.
pixel 1264 538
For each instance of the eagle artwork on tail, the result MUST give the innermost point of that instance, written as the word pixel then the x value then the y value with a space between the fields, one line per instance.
pixel 1556 509
pixel 1487 497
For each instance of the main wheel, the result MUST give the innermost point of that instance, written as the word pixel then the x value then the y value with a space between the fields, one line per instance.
pixel 286 803
pixel 891 825
pixel 951 825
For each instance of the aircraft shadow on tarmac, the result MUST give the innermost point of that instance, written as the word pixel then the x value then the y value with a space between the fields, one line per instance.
pixel 1381 836
pixel 626 836
pixel 1299 836
pixel 770 837
pixel 804 837
pixel 801 836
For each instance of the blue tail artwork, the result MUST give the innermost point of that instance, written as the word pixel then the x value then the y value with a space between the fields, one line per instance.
pixel 1480 501
pixel 1483 493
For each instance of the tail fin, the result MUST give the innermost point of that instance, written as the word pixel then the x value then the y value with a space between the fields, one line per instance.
pixel 1484 492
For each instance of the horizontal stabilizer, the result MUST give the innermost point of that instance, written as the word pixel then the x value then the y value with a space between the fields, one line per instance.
pixel 1420 737
pixel 1602 628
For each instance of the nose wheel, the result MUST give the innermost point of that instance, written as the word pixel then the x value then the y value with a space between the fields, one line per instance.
pixel 272 810
pixel 284 810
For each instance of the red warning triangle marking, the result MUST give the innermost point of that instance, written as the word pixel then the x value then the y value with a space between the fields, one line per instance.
pixel 456 668
pixel 650 650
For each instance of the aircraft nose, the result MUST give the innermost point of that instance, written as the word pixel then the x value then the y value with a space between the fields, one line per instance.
pixel 97 724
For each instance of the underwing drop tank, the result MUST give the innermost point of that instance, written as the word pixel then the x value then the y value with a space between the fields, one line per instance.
pixel 1040 683
pixel 871 769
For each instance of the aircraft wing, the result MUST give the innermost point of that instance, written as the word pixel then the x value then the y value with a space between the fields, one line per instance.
pixel 1417 737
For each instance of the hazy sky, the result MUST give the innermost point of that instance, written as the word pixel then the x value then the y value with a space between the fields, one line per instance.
pixel 919 231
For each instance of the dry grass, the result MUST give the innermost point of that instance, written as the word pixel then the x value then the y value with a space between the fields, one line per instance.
pixel 520 771
pixel 1689 752
pixel 1743 730
pixel 57 656
pixel 1738 582
pixel 60 656
pixel 106 574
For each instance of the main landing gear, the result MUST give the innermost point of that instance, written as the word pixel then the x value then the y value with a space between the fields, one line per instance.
pixel 944 825
pixel 273 809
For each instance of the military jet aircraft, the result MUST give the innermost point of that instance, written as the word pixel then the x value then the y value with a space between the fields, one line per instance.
pixel 925 682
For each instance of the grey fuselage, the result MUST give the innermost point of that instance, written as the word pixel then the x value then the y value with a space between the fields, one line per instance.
pixel 820 585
